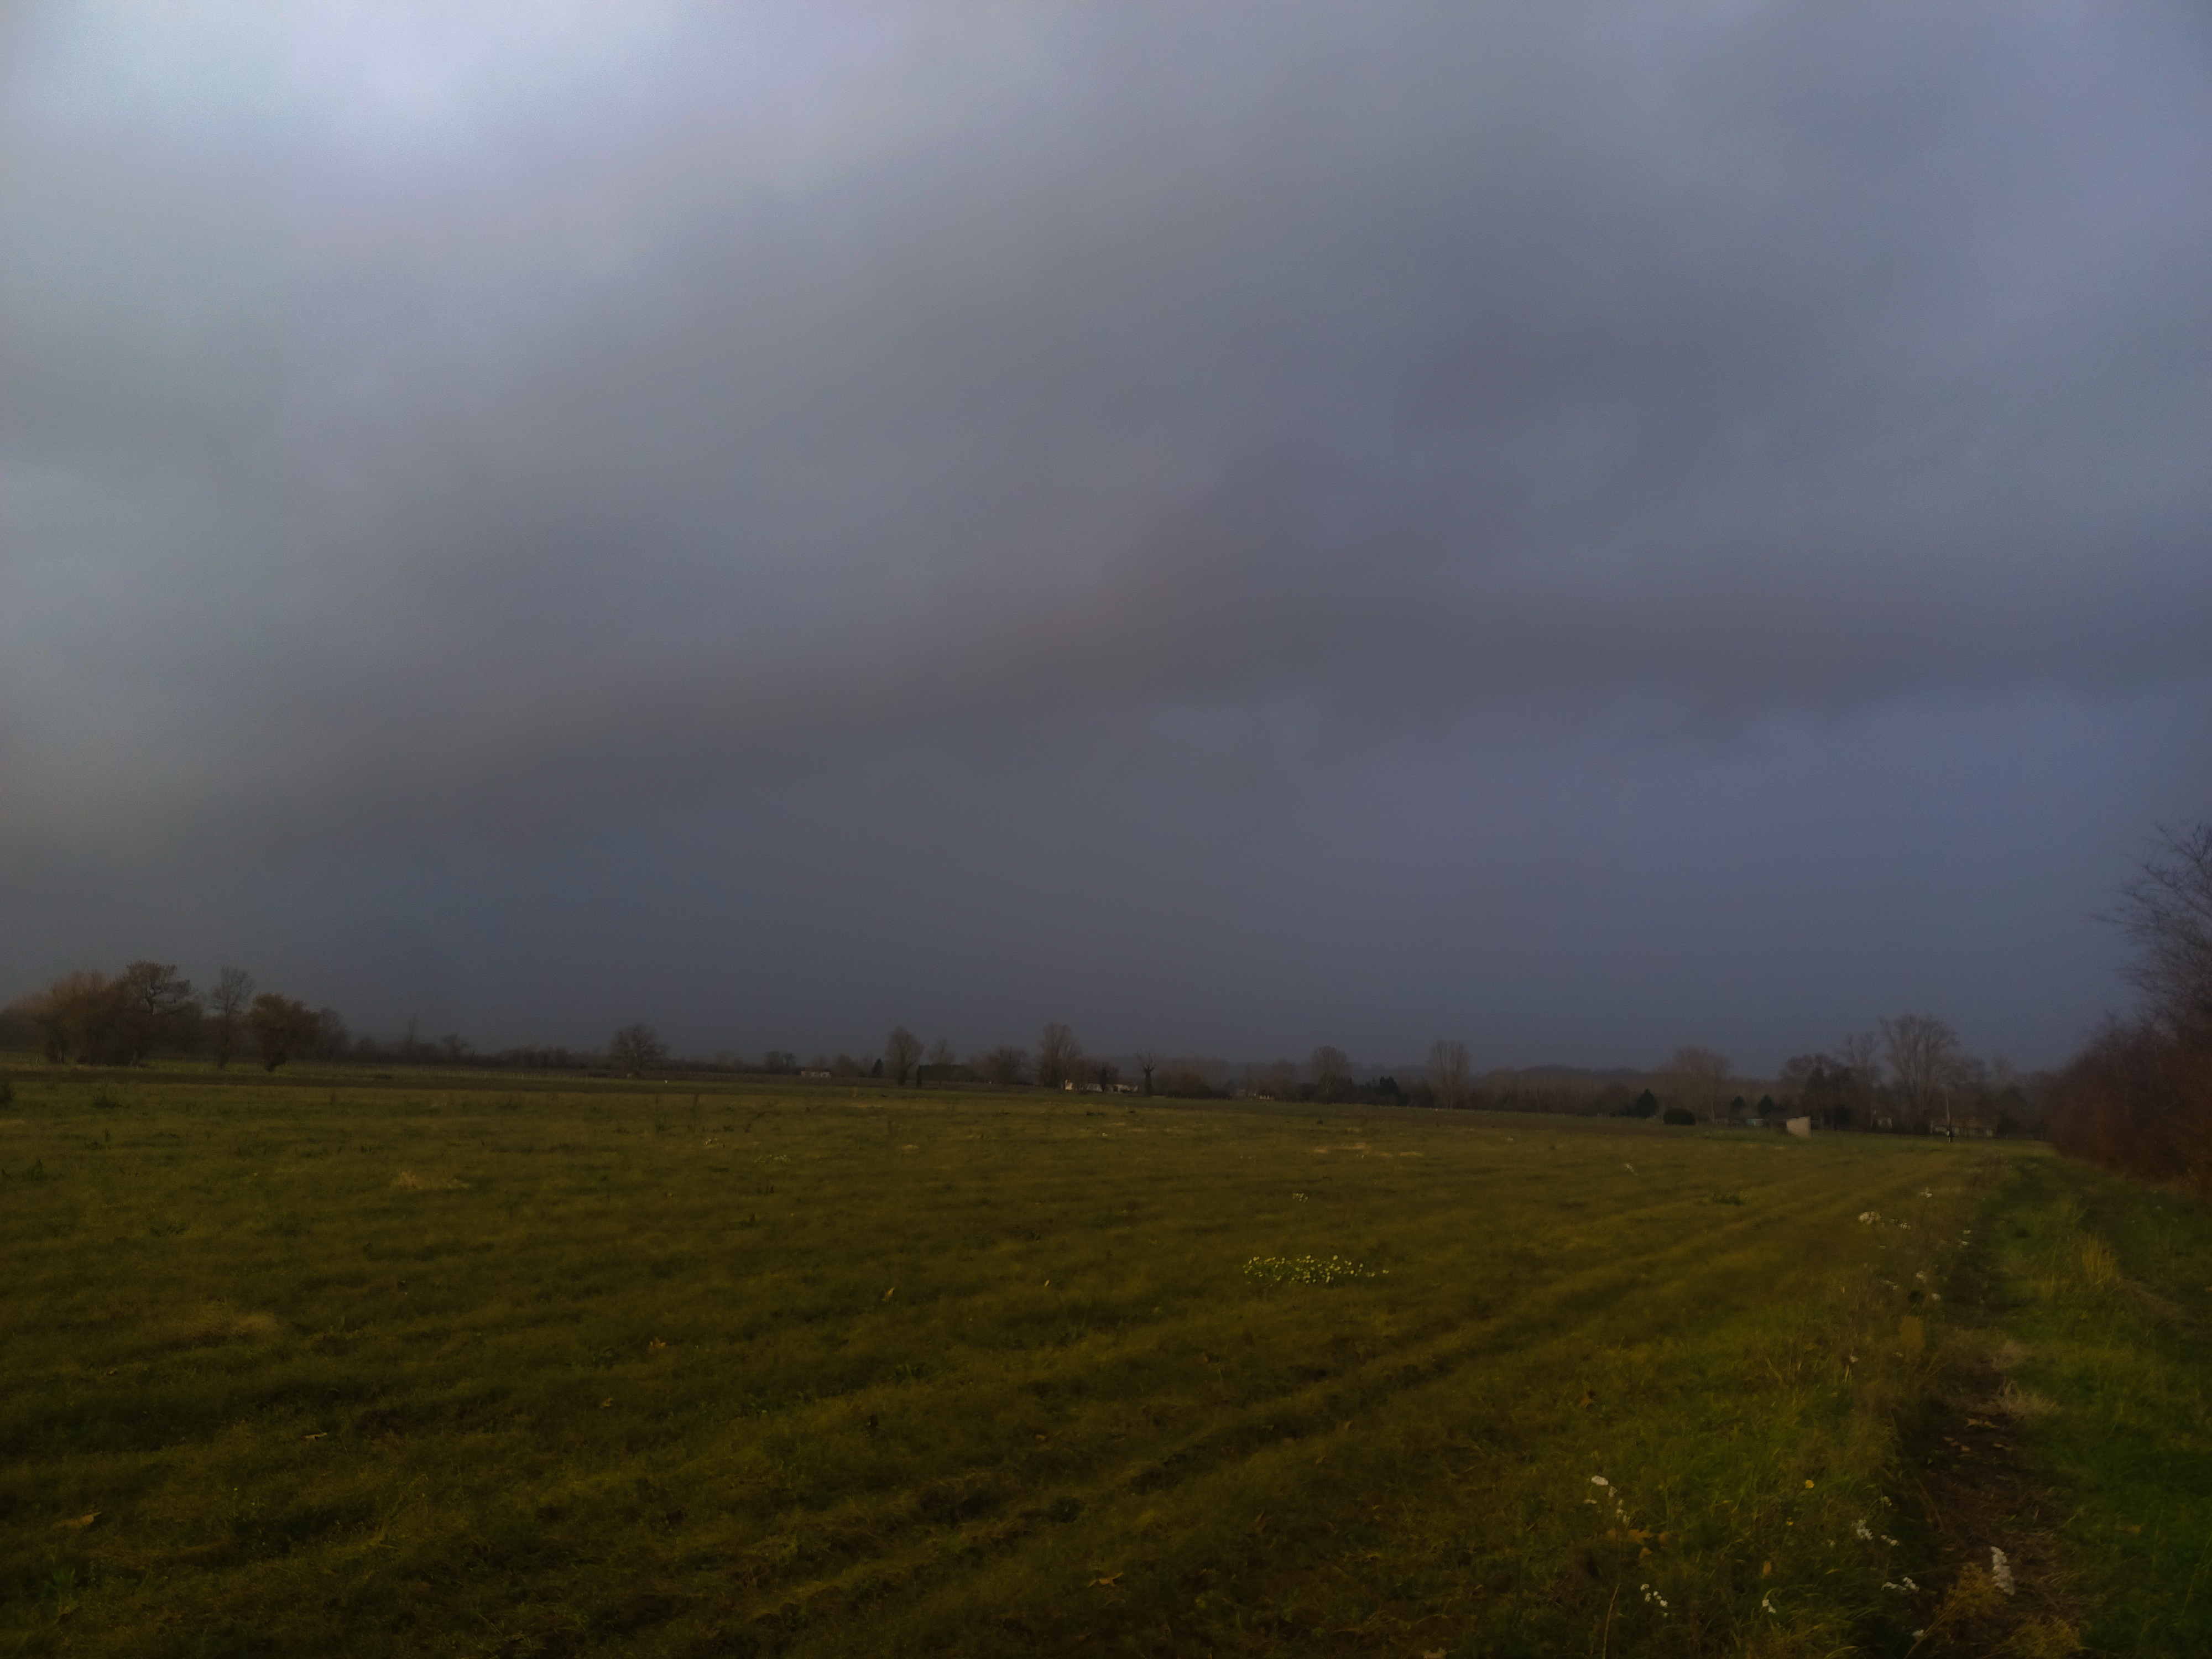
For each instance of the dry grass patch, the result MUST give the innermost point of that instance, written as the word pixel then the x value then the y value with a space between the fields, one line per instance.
pixel 2013 1402
pixel 215 1324
pixel 408 1181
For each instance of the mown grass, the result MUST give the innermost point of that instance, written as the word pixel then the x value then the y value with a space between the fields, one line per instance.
pixel 346 1368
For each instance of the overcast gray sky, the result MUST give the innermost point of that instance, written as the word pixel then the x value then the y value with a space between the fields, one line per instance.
pixel 1579 527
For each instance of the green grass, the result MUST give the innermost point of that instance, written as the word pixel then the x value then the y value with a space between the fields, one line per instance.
pixel 2107 1292
pixel 349 1366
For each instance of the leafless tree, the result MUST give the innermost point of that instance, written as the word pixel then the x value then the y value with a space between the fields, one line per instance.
pixel 87 1018
pixel 1331 1068
pixel 2166 912
pixel 154 1008
pixel 1004 1064
pixel 227 1005
pixel 1860 1051
pixel 1105 1074
pixel 2139 1097
pixel 1148 1062
pixel 1448 1072
pixel 1922 1053
pixel 1860 1055
pixel 902 1050
pixel 941 1054
pixel 636 1049
pixel 1060 1057
pixel 1277 1080
pixel 1700 1078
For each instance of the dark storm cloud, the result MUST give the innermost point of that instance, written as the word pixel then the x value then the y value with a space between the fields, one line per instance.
pixel 375 456
pixel 424 429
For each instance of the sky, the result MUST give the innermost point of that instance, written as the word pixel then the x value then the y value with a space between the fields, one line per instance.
pixel 1578 529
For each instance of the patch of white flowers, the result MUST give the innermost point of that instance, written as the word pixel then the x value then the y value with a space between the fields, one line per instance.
pixel 1619 1509
pixel 2001 1570
pixel 1304 1270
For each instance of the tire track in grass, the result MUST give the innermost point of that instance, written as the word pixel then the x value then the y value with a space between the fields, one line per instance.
pixel 1517 1346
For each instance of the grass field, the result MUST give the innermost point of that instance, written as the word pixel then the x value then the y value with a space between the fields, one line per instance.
pixel 465 1365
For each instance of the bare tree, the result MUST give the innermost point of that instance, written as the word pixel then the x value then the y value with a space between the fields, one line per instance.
pixel 1922 1053
pixel 1004 1064
pixel 2166 912
pixel 1332 1072
pixel 154 1008
pixel 1148 1061
pixel 942 1059
pixel 902 1050
pixel 636 1049
pixel 1860 1051
pixel 1105 1074
pixel 1448 1072
pixel 1060 1057
pixel 1860 1055
pixel 2139 1097
pixel 227 1005
pixel 1277 1080
pixel 1701 1077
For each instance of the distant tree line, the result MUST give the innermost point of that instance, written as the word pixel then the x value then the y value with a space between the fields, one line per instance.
pixel 86 1019
pixel 1910 1077
pixel 2138 1097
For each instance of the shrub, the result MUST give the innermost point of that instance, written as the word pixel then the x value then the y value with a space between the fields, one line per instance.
pixel 1680 1116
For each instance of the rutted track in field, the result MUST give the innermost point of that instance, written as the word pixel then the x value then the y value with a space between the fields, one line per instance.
pixel 876 1549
